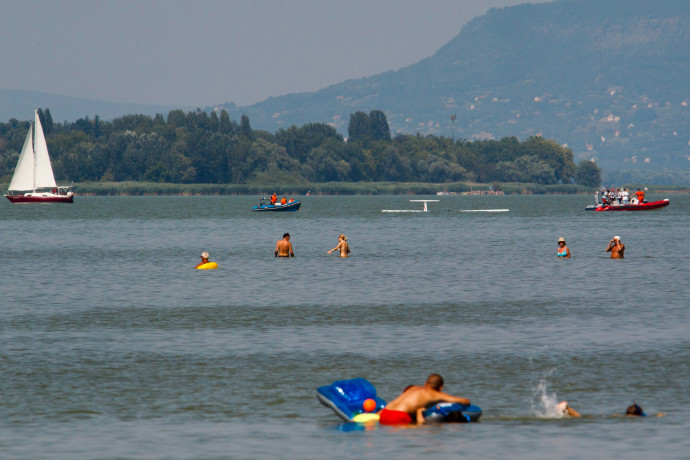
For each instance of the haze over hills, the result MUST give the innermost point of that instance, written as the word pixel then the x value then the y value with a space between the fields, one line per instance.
pixel 21 105
pixel 606 77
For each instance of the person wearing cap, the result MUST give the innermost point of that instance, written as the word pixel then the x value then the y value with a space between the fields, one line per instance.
pixel 562 250
pixel 616 248
pixel 204 259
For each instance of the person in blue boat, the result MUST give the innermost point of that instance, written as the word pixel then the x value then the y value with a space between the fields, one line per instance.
pixel 284 247
pixel 409 406
pixel 562 250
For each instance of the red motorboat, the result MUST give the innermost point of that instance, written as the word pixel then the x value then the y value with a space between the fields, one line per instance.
pixel 644 206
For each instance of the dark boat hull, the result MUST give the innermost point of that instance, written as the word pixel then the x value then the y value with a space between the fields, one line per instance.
pixel 278 207
pixel 630 207
pixel 48 198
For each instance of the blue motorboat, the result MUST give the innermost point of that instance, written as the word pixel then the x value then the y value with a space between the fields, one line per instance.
pixel 346 398
pixel 267 206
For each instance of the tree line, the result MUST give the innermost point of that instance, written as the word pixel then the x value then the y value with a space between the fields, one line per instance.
pixel 198 147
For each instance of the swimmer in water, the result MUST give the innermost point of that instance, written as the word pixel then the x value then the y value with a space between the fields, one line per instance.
pixel 342 246
pixel 636 411
pixel 284 247
pixel 616 248
pixel 204 259
pixel 410 405
pixel 565 410
pixel 562 250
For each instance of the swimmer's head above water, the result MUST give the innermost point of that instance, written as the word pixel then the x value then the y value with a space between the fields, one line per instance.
pixel 635 410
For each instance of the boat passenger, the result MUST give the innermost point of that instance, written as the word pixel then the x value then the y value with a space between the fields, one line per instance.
pixel 616 248
pixel 612 195
pixel 283 200
pixel 625 195
pixel 204 259
pixel 410 405
pixel 640 196
pixel 284 247
pixel 291 200
pixel 342 246
pixel 274 198
pixel 562 250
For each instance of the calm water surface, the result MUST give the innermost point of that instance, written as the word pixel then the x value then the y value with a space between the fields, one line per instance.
pixel 114 347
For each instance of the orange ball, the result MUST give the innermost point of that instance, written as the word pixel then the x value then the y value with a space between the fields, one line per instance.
pixel 369 405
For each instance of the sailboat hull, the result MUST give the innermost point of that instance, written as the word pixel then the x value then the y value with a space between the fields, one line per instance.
pixel 40 198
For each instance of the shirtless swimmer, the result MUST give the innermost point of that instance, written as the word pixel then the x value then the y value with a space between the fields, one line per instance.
pixel 284 247
pixel 411 404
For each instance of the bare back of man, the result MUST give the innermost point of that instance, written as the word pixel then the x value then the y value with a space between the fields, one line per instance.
pixel 414 400
pixel 284 247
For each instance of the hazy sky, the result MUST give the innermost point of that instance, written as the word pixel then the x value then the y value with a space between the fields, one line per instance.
pixel 199 53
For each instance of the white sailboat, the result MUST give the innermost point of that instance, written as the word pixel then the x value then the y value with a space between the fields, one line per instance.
pixel 33 180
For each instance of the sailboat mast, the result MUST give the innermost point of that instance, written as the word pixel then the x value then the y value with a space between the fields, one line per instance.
pixel 33 147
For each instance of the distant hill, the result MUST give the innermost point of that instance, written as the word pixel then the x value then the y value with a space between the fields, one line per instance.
pixel 21 105
pixel 607 77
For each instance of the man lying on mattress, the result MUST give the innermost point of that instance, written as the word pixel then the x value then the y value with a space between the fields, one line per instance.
pixel 409 406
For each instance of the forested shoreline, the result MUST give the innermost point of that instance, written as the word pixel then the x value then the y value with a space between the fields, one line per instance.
pixel 201 148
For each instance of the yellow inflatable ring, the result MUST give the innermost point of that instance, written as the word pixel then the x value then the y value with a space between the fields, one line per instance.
pixel 207 266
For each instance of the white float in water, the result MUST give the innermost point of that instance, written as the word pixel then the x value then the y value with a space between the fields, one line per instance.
pixel 424 208
pixel 484 210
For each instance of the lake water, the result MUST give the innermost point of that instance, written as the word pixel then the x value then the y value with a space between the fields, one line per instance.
pixel 114 347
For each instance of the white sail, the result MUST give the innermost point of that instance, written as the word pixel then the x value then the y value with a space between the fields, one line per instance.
pixel 23 178
pixel 44 171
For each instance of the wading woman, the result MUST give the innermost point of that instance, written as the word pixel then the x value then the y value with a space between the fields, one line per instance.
pixel 342 246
